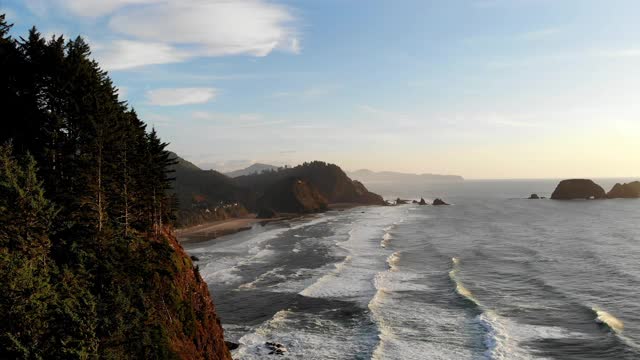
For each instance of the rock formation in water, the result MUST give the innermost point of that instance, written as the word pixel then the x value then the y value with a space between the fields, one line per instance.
pixel 578 189
pixel 439 202
pixel 625 191
pixel 534 197
pixel 422 202
pixel 293 195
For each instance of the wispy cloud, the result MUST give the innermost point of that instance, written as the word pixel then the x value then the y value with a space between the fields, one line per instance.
pixel 220 117
pixel 180 96
pixel 619 53
pixel 309 93
pixel 236 121
pixel 127 54
pixel 539 33
pixel 148 32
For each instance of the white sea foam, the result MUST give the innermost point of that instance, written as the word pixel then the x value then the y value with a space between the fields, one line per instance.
pixel 319 288
pixel 273 273
pixel 609 320
pixel 393 260
pixel 305 336
pixel 386 239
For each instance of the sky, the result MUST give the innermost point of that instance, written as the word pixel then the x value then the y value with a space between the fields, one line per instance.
pixel 485 89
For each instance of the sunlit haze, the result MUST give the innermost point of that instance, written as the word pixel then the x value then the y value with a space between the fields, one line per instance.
pixel 482 89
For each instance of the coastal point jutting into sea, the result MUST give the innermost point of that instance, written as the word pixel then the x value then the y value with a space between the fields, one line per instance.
pixel 276 179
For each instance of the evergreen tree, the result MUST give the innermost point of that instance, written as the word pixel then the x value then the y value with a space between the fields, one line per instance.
pixel 25 220
pixel 85 267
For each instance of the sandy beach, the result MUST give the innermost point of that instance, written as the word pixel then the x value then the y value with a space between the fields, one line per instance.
pixel 216 229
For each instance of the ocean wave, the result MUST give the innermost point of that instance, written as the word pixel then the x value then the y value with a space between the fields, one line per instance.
pixel 608 320
pixel 385 332
pixel 252 345
pixel 318 219
pixel 393 260
pixel 497 340
pixel 386 239
pixel 316 288
pixel 459 286
pixel 273 273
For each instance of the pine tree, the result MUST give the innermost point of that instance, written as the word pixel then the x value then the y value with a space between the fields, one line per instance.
pixel 25 267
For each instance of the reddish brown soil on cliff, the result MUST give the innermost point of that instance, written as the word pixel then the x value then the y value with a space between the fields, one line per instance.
pixel 193 326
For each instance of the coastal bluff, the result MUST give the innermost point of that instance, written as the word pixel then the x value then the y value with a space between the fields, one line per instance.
pixel 578 189
pixel 293 195
pixel 625 191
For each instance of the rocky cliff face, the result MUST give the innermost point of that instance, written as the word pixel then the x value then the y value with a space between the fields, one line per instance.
pixel 293 195
pixel 364 196
pixel 187 311
pixel 625 191
pixel 332 183
pixel 578 189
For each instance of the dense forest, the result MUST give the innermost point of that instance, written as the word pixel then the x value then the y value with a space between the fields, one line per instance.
pixel 88 265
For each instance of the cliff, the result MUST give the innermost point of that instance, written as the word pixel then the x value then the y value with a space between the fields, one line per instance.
pixel 193 328
pixel 625 191
pixel 293 195
pixel 332 183
pixel 578 189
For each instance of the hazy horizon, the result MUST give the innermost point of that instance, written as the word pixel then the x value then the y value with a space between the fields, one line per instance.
pixel 486 89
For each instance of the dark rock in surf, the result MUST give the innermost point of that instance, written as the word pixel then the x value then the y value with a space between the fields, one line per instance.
pixel 414 202
pixel 439 202
pixel 422 202
pixel 401 202
pixel 534 197
pixel 194 258
pixel 578 189
pixel 231 345
pixel 275 348
pixel 625 191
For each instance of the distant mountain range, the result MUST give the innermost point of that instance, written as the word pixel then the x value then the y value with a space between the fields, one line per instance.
pixel 256 168
pixel 388 177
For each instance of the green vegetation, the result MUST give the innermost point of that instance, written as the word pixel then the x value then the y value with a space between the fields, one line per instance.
pixel 88 267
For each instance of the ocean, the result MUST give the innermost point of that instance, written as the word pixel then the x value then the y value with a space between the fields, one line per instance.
pixel 493 276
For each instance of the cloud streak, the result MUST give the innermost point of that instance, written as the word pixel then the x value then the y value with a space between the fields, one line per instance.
pixel 180 96
pixel 149 32
pixel 126 54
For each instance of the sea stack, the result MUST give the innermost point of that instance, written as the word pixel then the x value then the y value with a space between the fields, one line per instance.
pixel 534 197
pixel 625 191
pixel 439 202
pixel 578 189
pixel 422 202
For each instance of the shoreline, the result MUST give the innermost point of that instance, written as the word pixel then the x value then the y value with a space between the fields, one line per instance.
pixel 220 228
